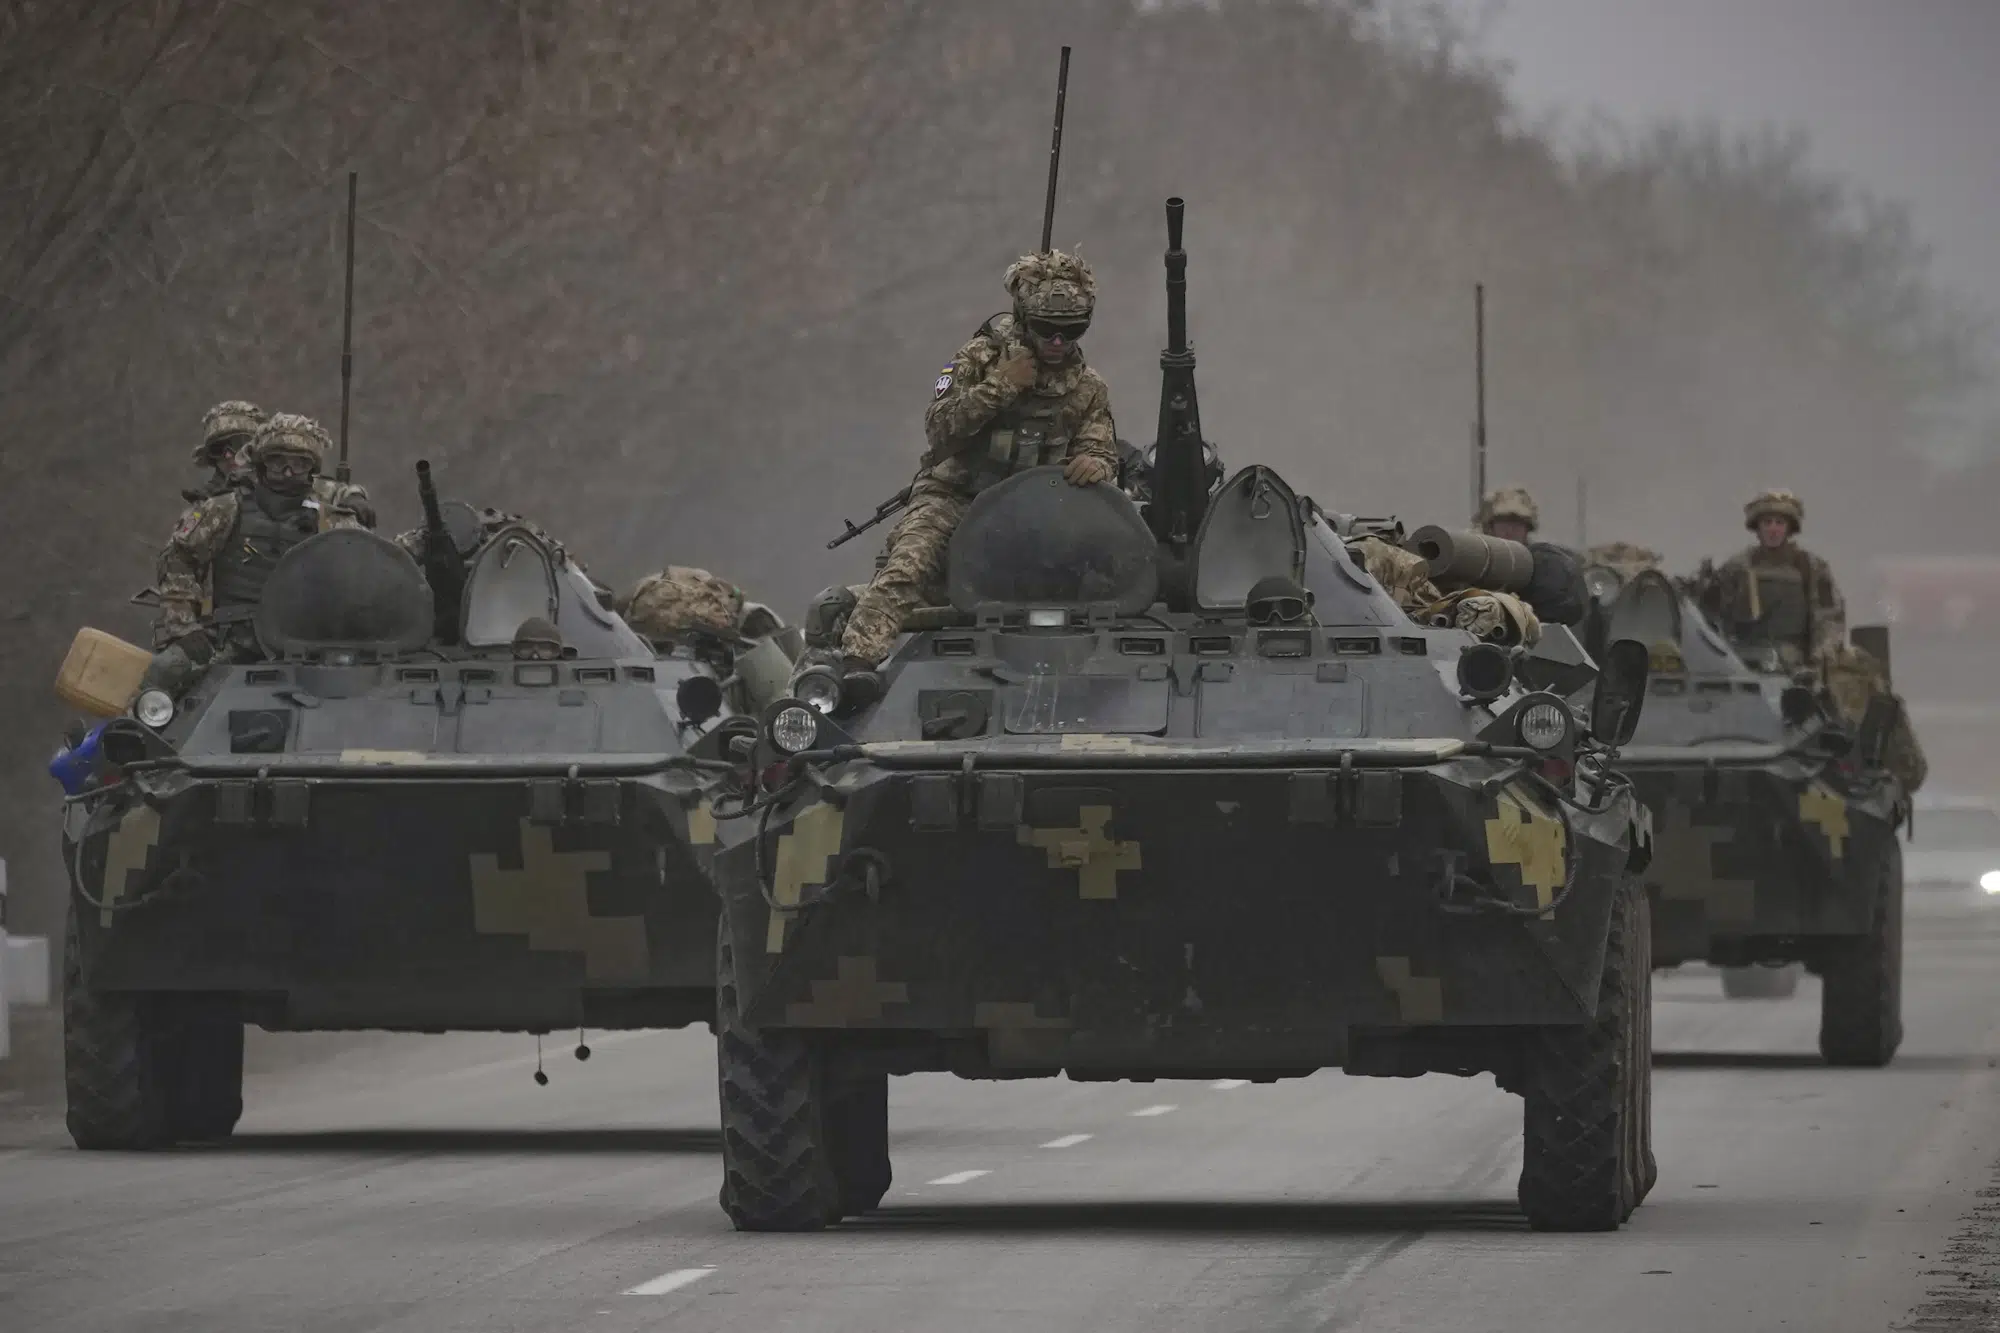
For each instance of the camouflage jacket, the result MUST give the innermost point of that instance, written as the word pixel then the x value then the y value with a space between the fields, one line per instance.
pixel 1730 596
pixel 970 395
pixel 183 567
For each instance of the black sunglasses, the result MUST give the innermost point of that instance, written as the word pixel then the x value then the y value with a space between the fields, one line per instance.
pixel 1051 329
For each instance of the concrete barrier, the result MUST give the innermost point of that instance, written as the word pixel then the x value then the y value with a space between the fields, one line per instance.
pixel 24 968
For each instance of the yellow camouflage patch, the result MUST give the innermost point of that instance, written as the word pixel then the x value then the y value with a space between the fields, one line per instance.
pixel 1683 866
pixel 1822 805
pixel 1418 999
pixel 803 854
pixel 1087 849
pixel 548 900
pixel 384 758
pixel 701 825
pixel 127 850
pixel 1522 833
pixel 856 995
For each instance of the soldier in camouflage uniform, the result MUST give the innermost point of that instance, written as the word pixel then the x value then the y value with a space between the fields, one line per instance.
pixel 1509 513
pixel 1776 595
pixel 226 431
pixel 1626 559
pixel 225 548
pixel 1017 396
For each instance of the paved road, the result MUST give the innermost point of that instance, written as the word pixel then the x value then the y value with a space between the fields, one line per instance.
pixel 427 1184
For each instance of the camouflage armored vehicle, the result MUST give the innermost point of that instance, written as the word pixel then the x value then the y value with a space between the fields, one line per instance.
pixel 1102 826
pixel 1774 825
pixel 381 825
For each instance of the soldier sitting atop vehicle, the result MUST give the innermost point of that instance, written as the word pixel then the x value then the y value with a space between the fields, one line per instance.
pixel 1556 592
pixel 225 548
pixel 1852 680
pixel 1497 617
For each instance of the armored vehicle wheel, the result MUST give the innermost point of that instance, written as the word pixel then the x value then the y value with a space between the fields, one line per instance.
pixel 117 1061
pixel 1584 1158
pixel 1645 1167
pixel 206 1080
pixel 777 1159
pixel 857 1131
pixel 1861 991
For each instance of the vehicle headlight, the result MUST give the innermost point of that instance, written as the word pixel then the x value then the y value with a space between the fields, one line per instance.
pixel 1543 726
pixel 1990 881
pixel 818 687
pixel 155 708
pixel 1047 617
pixel 794 728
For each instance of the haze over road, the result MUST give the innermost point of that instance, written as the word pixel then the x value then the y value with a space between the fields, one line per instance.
pixel 426 1184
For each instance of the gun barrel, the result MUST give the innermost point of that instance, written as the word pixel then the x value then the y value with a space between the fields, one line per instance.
pixel 1473 560
pixel 1176 281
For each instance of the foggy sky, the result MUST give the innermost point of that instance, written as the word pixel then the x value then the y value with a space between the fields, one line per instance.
pixel 1903 96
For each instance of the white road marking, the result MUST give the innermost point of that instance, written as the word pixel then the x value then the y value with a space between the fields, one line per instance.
pixel 673 1281
pixel 960 1177
pixel 1066 1141
pixel 1163 1108
pixel 1229 1084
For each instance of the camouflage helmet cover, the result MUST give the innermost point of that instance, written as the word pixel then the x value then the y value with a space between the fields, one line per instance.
pixel 288 432
pixel 1056 285
pixel 1783 503
pixel 1510 502
pixel 224 420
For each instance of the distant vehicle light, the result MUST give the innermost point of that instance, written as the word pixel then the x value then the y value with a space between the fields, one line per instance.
pixel 1047 617
pixel 1990 881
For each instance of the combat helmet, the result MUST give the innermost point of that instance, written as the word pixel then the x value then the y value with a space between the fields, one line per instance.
pixel 1054 286
pixel 290 433
pixel 1510 502
pixel 1775 501
pixel 234 417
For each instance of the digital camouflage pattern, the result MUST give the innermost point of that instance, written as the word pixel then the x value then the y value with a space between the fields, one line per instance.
pixel 1057 285
pixel 1778 502
pixel 1070 401
pixel 680 598
pixel 970 395
pixel 1509 502
pixel 1624 558
pixel 1853 677
pixel 1735 595
pixel 1496 616
pixel 223 421
pixel 184 565
pixel 1404 575
pixel 912 574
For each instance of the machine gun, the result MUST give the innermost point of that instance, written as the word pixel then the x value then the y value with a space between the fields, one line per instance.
pixel 444 565
pixel 1180 465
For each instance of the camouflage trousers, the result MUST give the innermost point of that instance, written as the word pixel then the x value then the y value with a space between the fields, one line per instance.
pixel 912 573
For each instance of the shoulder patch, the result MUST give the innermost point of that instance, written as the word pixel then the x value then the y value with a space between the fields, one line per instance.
pixel 943 385
pixel 190 520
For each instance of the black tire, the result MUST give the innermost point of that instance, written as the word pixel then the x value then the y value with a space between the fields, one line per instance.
pixel 1758 982
pixel 117 1061
pixel 1646 1165
pixel 777 1170
pixel 857 1130
pixel 205 1097
pixel 1861 989
pixel 1586 1100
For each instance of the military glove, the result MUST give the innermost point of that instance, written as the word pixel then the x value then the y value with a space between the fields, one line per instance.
pixel 1087 470
pixel 1017 371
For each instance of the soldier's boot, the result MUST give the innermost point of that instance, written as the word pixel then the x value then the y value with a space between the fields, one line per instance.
pixel 860 684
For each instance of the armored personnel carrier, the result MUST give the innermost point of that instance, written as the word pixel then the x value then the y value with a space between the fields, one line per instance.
pixel 1774 825
pixel 381 825
pixel 1182 795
